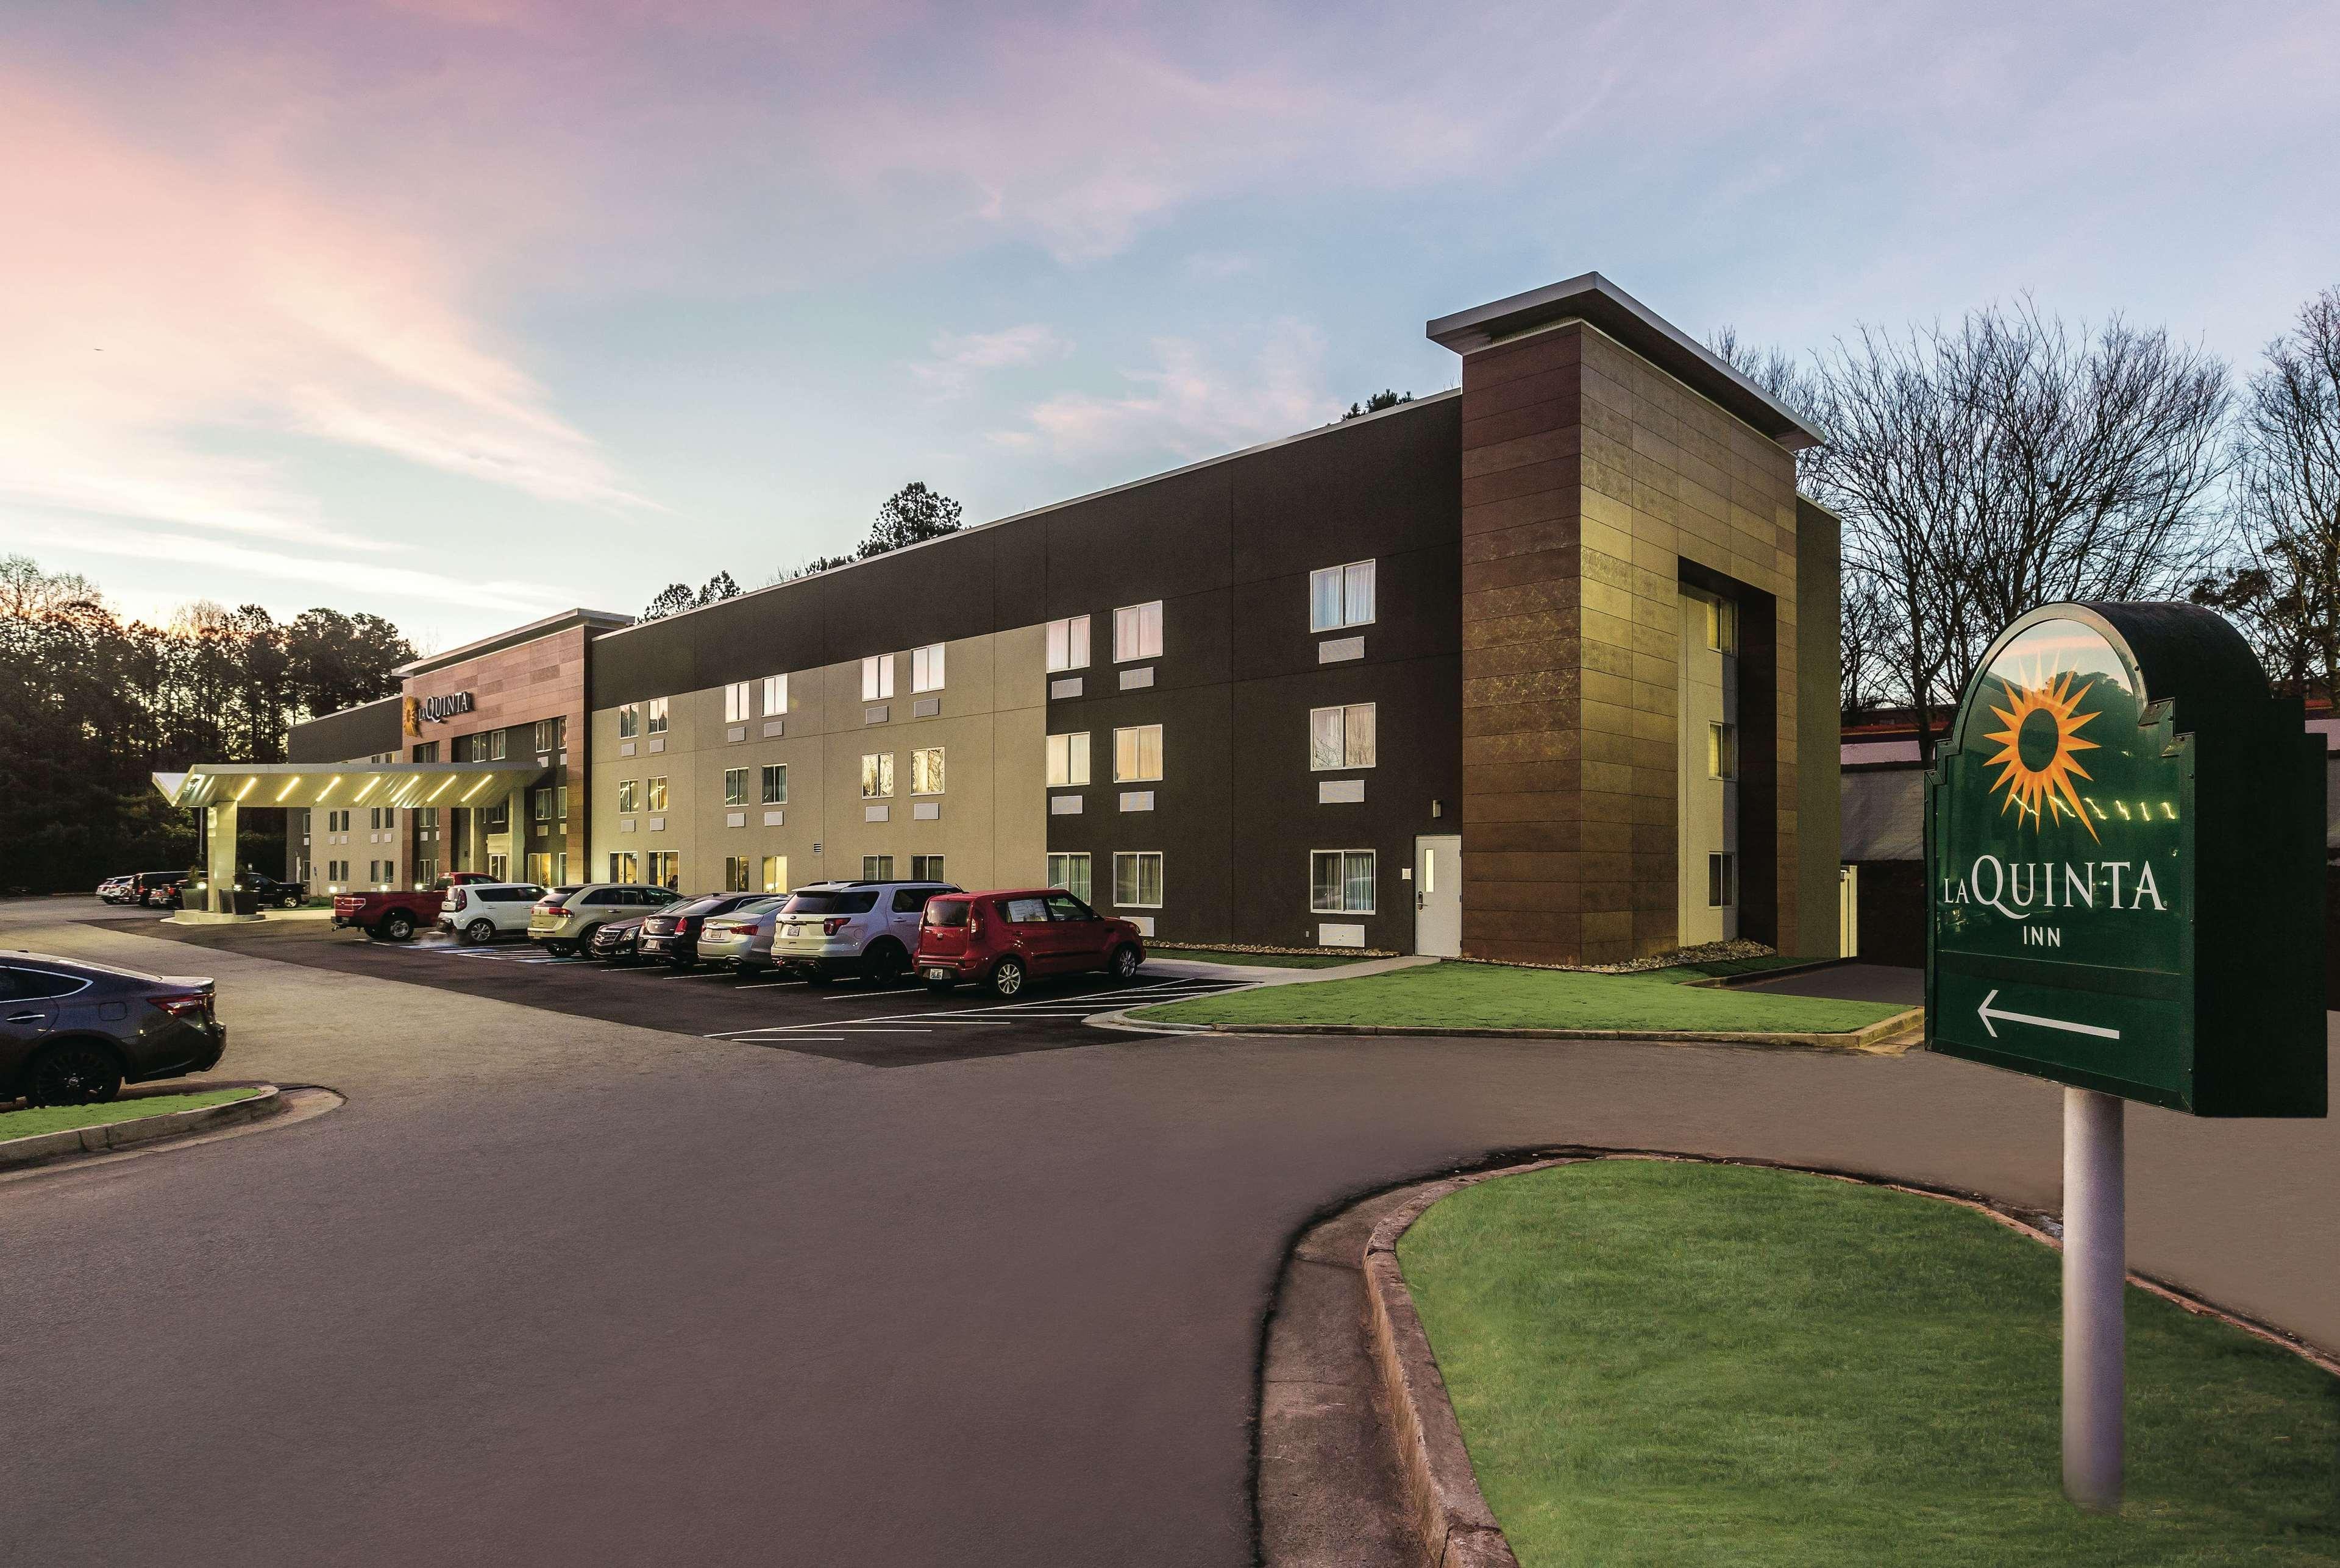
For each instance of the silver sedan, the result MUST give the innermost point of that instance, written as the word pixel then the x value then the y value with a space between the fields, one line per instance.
pixel 741 940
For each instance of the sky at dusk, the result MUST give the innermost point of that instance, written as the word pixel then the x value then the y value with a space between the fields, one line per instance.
pixel 463 311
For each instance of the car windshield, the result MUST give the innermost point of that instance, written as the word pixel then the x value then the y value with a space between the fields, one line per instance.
pixel 947 911
pixel 842 901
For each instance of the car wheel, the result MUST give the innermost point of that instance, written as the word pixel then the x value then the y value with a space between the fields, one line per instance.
pixel 74 1072
pixel 1125 963
pixel 883 962
pixel 396 926
pixel 480 931
pixel 1008 977
pixel 291 901
pixel 558 949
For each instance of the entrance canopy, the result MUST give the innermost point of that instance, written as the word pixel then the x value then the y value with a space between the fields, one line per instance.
pixel 404 785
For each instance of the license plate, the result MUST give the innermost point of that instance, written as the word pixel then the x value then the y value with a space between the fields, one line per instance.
pixel 938 974
pixel 654 942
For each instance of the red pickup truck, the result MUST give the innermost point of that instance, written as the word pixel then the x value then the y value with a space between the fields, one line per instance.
pixel 394 916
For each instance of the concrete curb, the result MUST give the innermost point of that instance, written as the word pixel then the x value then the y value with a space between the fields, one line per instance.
pixel 43 1146
pixel 1887 1037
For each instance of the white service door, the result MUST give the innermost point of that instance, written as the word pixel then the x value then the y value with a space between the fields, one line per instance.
pixel 1438 896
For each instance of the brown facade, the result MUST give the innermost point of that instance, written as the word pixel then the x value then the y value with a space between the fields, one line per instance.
pixel 1595 486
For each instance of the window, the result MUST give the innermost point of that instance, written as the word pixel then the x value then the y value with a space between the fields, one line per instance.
pixel 1025 911
pixel 560 799
pixel 775 784
pixel 877 775
pixel 1340 881
pixel 541 799
pixel 776 873
pixel 428 751
pixel 1069 643
pixel 498 818
pixel 1071 873
pixel 623 867
pixel 1722 880
pixel 657 716
pixel 1721 751
pixel 547 735
pixel 658 794
pixel 1341 597
pixel 735 786
pixel 374 816
pixel 776 696
pixel 426 871
pixel 876 677
pixel 736 701
pixel 1341 737
pixel 736 871
pixel 1137 755
pixel 1722 626
pixel 1138 632
pixel 539 867
pixel 1061 908
pixel 1068 760
pixel 629 796
pixel 927 771
pixel 496 739
pixel 629 721
pixel 927 868
pixel 927 669
pixel 1137 879
pixel 665 868
pixel 876 868
pixel 426 817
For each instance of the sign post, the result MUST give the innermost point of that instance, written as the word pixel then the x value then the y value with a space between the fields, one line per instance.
pixel 2125 853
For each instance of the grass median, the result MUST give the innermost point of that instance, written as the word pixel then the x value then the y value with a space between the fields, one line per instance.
pixel 1490 996
pixel 32 1120
pixel 1257 960
pixel 1660 1363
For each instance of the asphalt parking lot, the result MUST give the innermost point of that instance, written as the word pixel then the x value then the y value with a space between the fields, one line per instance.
pixel 896 1026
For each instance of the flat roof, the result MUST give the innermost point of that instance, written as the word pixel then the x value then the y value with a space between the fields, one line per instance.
pixel 1598 302
pixel 593 620
pixel 401 784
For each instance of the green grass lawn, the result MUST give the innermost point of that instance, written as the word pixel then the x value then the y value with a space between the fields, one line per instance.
pixel 1262 960
pixel 27 1122
pixel 1487 996
pixel 1670 1364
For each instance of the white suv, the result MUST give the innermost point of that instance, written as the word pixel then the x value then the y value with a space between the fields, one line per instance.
pixel 482 912
pixel 563 920
pixel 829 929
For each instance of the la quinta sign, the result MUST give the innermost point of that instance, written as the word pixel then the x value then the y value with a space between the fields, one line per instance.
pixel 2125 844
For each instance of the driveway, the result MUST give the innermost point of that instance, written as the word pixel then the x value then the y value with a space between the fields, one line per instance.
pixel 556 1288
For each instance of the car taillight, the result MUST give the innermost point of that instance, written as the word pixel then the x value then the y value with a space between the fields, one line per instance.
pixel 194 1004
pixel 974 925
pixel 455 898
pixel 831 927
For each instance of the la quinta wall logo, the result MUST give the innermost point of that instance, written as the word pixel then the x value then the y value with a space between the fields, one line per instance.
pixel 2039 749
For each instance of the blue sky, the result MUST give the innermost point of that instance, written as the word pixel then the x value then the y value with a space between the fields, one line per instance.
pixel 464 311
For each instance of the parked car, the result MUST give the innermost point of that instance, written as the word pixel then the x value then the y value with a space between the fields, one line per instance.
pixel 72 1031
pixel 830 929
pixel 1003 939
pixel 743 938
pixel 115 890
pixel 616 941
pixel 484 910
pixel 672 933
pixel 150 888
pixel 565 919
pixel 265 889
pixel 396 915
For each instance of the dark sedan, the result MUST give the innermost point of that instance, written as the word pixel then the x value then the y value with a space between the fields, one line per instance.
pixel 73 1031
pixel 672 933
pixel 617 940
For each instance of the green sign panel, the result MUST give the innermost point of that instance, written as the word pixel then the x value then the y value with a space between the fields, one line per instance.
pixel 2125 852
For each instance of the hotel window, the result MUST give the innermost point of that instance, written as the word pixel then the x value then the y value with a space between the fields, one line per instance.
pixel 927 669
pixel 547 735
pixel 1137 755
pixel 877 775
pixel 539 867
pixel 876 868
pixel 927 868
pixel 776 696
pixel 426 817
pixel 1340 881
pixel 1341 737
pixel 737 869
pixel 426 871
pixel 496 742
pixel 1137 879
pixel 1722 626
pixel 1722 880
pixel 1068 760
pixel 876 677
pixel 497 817
pixel 374 816
pixel 658 794
pixel 775 784
pixel 561 801
pixel 428 751
pixel 1341 597
pixel 1069 643
pixel 561 867
pixel 629 796
pixel 629 721
pixel 927 771
pixel 735 786
pixel 543 804
pixel 623 867
pixel 1138 632
pixel 1071 873
pixel 1721 751
pixel 736 697
pixel 665 868
pixel 656 715
pixel 776 873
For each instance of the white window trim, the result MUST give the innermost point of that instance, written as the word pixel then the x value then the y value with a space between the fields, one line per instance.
pixel 1157 855
pixel 1344 623
pixel 781 683
pixel 1162 746
pixel 1345 765
pixel 654 714
pixel 1316 908
pixel 927 669
pixel 1088 767
pixel 1068 622
pixel 876 677
pixel 941 766
pixel 728 774
pixel 1161 635
pixel 885 760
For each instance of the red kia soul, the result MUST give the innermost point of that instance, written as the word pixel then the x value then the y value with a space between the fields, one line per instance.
pixel 1002 938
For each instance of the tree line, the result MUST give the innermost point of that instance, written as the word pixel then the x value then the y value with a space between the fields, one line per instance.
pixel 911 514
pixel 2010 460
pixel 92 704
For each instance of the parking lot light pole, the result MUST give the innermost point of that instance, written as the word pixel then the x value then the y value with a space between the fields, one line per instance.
pixel 2096 1270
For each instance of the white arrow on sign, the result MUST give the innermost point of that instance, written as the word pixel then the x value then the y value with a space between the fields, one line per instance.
pixel 1986 1012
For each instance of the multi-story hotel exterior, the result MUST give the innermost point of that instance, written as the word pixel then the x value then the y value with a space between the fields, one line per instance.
pixel 1520 671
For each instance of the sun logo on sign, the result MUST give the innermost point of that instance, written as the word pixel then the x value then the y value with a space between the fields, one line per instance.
pixel 2039 749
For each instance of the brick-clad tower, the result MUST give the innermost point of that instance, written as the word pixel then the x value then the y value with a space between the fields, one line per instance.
pixel 1608 464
